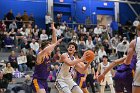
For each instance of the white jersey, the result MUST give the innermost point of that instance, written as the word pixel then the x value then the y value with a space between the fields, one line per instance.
pixel 103 67
pixel 65 72
pixel 137 49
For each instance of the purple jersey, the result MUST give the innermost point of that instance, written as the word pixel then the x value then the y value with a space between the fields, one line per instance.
pixel 125 71
pixel 78 80
pixel 79 75
pixel 42 70
pixel 124 76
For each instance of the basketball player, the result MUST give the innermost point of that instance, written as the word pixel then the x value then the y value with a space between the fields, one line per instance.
pixel 41 73
pixel 123 77
pixel 64 81
pixel 133 47
pixel 108 77
pixel 81 78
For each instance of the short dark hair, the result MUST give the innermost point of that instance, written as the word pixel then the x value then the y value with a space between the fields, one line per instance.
pixel 44 43
pixel 105 56
pixel 73 43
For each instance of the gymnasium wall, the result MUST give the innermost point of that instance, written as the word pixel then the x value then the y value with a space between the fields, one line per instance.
pixel 91 6
pixel 38 9
pixel 67 8
pixel 126 13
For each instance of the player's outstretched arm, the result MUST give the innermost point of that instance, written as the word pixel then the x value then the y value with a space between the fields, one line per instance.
pixel 54 37
pixel 48 50
pixel 113 64
pixel 81 67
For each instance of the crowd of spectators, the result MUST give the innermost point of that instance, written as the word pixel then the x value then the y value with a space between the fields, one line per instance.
pixel 24 38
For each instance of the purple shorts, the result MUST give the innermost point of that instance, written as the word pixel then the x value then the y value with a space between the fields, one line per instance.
pixel 78 83
pixel 39 84
pixel 121 84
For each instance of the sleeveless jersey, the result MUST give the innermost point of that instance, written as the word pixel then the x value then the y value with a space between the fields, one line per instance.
pixel 137 48
pixel 42 70
pixel 65 71
pixel 103 67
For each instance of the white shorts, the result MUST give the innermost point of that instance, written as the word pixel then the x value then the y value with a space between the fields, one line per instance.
pixel 136 81
pixel 108 80
pixel 61 84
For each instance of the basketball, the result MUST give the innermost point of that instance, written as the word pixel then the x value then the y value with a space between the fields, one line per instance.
pixel 91 56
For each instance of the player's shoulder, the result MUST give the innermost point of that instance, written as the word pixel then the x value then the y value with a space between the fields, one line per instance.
pixel 64 55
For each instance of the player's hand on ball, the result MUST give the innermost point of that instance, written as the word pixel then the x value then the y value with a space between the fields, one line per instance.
pixel 100 78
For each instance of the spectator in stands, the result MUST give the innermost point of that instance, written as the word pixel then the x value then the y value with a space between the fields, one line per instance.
pixel 96 40
pixel 35 32
pixel 13 59
pixel 122 48
pixel 31 59
pixel 8 42
pixel 31 17
pixel 63 27
pixel 75 39
pixel 68 36
pixel 22 31
pixel 10 15
pixel 28 30
pixel 105 34
pixel 19 38
pixel 81 46
pixel 101 53
pixel 43 36
pixel 48 21
pixel 8 71
pixel 57 55
pixel 25 45
pixel 22 66
pixel 107 46
pixel 83 30
pixel 25 17
pixel 97 30
pixel 59 32
pixel 18 17
pixel 59 19
pixel 3 83
pixel 19 20
pixel 2 26
pixel 114 42
pixel 115 27
pixel 89 43
pixel 13 25
pixel 34 45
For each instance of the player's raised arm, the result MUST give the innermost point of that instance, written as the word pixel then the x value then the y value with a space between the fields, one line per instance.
pixel 54 37
pixel 47 48
pixel 113 64
pixel 130 52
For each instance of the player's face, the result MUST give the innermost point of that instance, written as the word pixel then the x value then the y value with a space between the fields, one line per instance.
pixel 104 59
pixel 71 49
